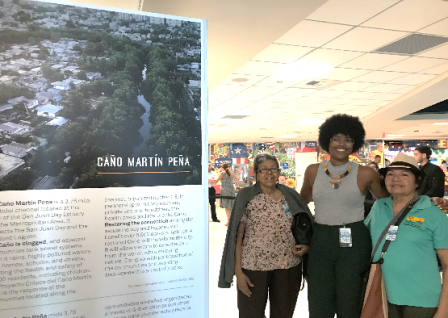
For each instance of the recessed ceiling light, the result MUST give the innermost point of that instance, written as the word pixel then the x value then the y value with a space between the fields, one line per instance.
pixel 266 137
pixel 301 70
pixel 240 79
pixel 310 122
pixel 440 124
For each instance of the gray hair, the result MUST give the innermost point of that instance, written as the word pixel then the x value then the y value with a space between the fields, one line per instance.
pixel 262 158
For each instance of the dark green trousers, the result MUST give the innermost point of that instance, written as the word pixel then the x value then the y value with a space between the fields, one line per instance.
pixel 335 273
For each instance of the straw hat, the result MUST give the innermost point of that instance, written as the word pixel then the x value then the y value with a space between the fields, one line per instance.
pixel 404 162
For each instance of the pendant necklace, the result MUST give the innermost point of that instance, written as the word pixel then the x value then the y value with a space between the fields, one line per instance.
pixel 335 183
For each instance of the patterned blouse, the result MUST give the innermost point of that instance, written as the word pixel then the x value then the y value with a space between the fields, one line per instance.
pixel 268 239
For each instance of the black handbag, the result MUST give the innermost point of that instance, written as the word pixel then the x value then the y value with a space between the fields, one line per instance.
pixel 302 228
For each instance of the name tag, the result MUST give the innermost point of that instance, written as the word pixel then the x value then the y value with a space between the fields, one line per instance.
pixel 392 233
pixel 287 210
pixel 345 237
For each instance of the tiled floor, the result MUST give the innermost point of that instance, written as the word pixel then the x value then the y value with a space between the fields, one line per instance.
pixel 222 301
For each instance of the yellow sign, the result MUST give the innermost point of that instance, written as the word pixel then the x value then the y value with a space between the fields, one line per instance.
pixel 443 143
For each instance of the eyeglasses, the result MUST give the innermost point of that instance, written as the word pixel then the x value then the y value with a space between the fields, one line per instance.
pixel 347 141
pixel 266 170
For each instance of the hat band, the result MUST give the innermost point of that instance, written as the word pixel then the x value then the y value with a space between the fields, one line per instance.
pixel 402 163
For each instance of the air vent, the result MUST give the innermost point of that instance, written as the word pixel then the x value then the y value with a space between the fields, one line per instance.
pixel 317 83
pixel 412 44
pixel 234 116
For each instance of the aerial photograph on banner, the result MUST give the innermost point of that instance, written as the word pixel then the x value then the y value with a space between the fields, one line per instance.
pixel 95 98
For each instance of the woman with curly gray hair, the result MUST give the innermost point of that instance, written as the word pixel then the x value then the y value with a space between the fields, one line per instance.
pixel 260 248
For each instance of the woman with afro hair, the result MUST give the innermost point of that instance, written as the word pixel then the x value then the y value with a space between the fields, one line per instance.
pixel 341 245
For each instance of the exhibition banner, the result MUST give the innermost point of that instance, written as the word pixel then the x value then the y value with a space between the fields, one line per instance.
pixel 102 137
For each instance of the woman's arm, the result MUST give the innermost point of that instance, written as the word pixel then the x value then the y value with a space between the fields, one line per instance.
pixel 235 177
pixel 442 310
pixel 308 180
pixel 242 281
pixel 373 182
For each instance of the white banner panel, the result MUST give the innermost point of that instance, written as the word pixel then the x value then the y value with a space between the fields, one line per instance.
pixel 103 209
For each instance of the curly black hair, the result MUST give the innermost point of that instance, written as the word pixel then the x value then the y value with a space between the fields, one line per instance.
pixel 342 124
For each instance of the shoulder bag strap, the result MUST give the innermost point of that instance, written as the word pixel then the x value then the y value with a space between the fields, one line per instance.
pixel 396 220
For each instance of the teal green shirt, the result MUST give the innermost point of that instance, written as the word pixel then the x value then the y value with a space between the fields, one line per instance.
pixel 410 269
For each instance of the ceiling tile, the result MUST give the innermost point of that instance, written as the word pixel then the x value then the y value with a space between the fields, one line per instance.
pixel 313 34
pixel 331 57
pixel 349 12
pixel 412 79
pixel 356 39
pixel 326 93
pixel 356 95
pixel 439 69
pixel 439 52
pixel 384 88
pixel 352 86
pixel 386 97
pixel 399 16
pixel 228 89
pixel 282 53
pixel 343 74
pixel 363 102
pixel 379 76
pixel 439 28
pixel 403 90
pixel 373 61
pixel 258 68
pixel 270 81
pixel 242 79
pixel 261 90
pixel 414 64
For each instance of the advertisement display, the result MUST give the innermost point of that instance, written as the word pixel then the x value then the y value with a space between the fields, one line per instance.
pixel 102 137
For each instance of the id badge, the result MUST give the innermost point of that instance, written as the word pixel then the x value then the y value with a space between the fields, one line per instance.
pixel 345 237
pixel 392 233
pixel 287 210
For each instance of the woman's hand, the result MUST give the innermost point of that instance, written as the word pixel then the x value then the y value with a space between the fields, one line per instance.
pixel 300 249
pixel 243 282
pixel 441 203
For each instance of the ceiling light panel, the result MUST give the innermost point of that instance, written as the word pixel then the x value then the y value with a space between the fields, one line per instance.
pixel 438 52
pixel 439 28
pixel 380 77
pixel 355 39
pixel 331 57
pixel 373 61
pixel 399 17
pixel 413 79
pixel 414 64
pixel 312 34
pixel 348 11
pixel 282 53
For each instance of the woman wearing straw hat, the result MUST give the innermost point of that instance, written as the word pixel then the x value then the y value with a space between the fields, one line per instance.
pixel 410 269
